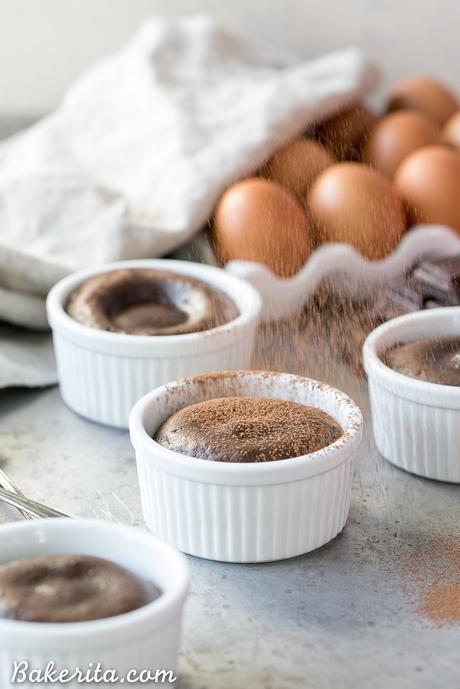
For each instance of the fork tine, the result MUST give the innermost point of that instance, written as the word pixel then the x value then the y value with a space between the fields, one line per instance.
pixel 6 482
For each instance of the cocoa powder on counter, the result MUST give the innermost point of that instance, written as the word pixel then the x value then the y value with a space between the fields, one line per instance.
pixel 432 574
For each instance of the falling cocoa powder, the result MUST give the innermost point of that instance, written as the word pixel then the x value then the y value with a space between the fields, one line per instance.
pixel 324 341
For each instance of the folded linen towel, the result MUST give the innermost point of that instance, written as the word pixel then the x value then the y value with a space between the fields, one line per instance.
pixel 133 161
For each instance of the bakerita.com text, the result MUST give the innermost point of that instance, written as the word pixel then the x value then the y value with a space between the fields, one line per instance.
pixel 94 673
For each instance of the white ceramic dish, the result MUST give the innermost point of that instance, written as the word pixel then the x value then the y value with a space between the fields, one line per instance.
pixel 102 374
pixel 245 512
pixel 147 638
pixel 416 424
pixel 340 264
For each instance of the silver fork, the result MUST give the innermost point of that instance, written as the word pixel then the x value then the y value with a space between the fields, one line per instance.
pixel 36 510
pixel 30 509
pixel 8 484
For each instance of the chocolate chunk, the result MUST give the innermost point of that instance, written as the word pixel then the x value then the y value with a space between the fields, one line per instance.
pixel 438 281
pixel 396 301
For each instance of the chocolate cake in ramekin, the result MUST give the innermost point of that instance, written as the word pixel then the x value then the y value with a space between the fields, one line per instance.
pixel 139 639
pixel 122 329
pixel 243 489
pixel 416 415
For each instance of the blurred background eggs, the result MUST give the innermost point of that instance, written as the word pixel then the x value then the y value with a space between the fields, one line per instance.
pixel 344 134
pixel 259 220
pixel 429 182
pixel 397 135
pixel 357 178
pixel 451 131
pixel 352 203
pixel 297 165
pixel 424 95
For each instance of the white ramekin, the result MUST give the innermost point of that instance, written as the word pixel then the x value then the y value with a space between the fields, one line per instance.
pixel 245 512
pixel 416 424
pixel 102 374
pixel 147 638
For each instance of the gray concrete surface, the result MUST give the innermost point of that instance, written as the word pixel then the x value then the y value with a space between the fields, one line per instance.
pixel 344 617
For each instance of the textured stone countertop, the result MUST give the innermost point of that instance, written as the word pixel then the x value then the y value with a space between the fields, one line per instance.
pixel 343 617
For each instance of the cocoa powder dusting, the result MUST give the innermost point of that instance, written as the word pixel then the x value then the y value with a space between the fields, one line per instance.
pixel 441 603
pixel 322 341
pixel 247 429
pixel 432 576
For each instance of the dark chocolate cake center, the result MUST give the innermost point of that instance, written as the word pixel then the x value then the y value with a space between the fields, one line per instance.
pixel 434 360
pixel 139 301
pixel 248 429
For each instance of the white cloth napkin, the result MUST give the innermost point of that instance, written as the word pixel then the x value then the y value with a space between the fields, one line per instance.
pixel 133 161
pixel 26 359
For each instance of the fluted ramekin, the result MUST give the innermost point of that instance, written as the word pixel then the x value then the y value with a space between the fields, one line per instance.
pixel 102 374
pixel 416 424
pixel 144 639
pixel 245 512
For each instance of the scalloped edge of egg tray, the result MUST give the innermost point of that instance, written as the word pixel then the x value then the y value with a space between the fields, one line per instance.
pixel 344 267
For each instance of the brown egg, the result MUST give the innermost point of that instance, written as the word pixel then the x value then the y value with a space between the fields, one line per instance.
pixel 352 203
pixel 297 165
pixel 426 96
pixel 344 134
pixel 259 220
pixel 451 131
pixel 397 135
pixel 429 182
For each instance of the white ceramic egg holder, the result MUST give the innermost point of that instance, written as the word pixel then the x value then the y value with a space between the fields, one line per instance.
pixel 339 263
